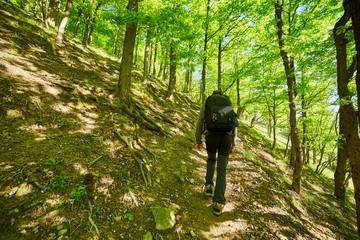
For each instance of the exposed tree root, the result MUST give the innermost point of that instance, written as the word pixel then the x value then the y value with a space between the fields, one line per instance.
pixel 137 156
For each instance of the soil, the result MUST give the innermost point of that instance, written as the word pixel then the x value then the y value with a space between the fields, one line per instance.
pixel 67 174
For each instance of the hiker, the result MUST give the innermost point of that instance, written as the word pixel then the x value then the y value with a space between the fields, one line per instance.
pixel 218 121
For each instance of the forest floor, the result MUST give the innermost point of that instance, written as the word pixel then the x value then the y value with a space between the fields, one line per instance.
pixel 67 171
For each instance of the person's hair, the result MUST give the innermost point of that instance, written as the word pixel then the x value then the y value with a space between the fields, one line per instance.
pixel 218 92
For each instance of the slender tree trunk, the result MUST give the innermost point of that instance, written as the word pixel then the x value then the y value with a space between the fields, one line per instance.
pixel 351 117
pixel 78 22
pixel 114 48
pixel 36 8
pixel 150 58
pixel 53 13
pixel 146 55
pixel 92 25
pixel 203 72
pixel 172 82
pixel 155 58
pixel 123 89
pixel 274 120
pixel 87 29
pixel 342 156
pixel 219 63
pixel 137 45
pixel 44 11
pixel 290 79
pixel 64 22
pixel 314 155
pixel 304 117
pixel 165 72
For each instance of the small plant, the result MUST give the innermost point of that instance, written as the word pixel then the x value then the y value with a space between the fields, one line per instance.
pixel 78 195
pixel 129 216
pixel 52 161
pixel 15 210
pixel 116 173
pixel 86 149
pixel 98 175
pixel 97 211
pixel 59 183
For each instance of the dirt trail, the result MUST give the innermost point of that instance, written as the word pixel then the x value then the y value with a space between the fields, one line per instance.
pixel 59 151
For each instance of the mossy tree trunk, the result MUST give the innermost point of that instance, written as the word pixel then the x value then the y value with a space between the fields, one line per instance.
pixel 123 88
pixel 64 22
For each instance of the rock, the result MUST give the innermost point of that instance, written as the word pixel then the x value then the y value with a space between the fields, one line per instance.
pixel 147 236
pixel 164 217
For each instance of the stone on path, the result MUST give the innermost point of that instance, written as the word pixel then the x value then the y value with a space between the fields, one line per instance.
pixel 164 217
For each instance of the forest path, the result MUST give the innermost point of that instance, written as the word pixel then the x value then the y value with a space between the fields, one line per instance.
pixel 59 152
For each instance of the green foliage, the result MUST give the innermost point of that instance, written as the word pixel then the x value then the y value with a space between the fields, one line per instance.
pixel 59 183
pixel 79 194
pixel 86 149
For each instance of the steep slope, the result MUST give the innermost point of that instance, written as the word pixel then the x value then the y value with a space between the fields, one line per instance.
pixel 77 164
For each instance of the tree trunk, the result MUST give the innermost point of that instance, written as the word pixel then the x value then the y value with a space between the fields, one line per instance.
pixel 314 155
pixel 351 117
pixel 44 11
pixel 304 117
pixel 137 45
pixel 290 79
pixel 219 63
pixel 274 120
pixel 172 82
pixel 165 72
pixel 64 21
pixel 114 48
pixel 155 59
pixel 146 55
pixel 92 25
pixel 78 22
pixel 53 13
pixel 342 156
pixel 86 30
pixel 150 58
pixel 123 89
pixel 36 8
pixel 203 72
pixel 187 78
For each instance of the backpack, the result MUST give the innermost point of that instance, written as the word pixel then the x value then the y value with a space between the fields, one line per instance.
pixel 219 114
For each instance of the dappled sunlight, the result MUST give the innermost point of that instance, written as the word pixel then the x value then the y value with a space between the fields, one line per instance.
pixel 36 130
pixel 102 185
pixel 80 168
pixel 60 107
pixel 54 200
pixel 227 229
pixel 19 191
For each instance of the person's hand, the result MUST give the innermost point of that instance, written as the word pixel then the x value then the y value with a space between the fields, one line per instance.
pixel 231 151
pixel 199 147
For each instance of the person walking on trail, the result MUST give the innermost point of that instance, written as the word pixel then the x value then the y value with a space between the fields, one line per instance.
pixel 218 122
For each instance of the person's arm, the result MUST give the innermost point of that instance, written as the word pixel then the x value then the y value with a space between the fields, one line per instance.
pixel 200 125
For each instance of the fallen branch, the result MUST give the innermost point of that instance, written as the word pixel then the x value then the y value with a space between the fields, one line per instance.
pixel 133 198
pixel 94 161
pixel 91 221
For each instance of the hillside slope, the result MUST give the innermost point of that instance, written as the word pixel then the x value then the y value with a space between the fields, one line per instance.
pixel 77 164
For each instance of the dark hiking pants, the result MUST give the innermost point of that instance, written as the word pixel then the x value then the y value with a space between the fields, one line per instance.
pixel 217 143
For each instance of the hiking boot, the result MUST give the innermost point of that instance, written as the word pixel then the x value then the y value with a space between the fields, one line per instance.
pixel 218 207
pixel 209 190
